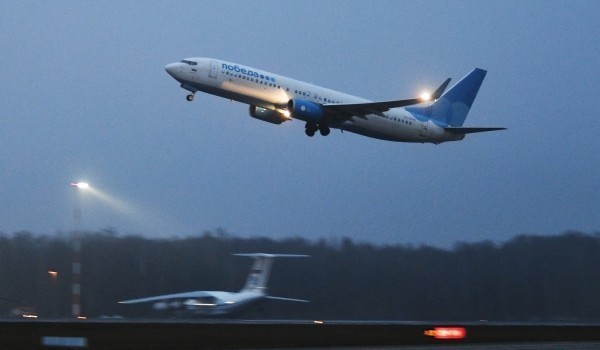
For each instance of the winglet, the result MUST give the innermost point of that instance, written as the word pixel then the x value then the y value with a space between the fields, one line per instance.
pixel 437 93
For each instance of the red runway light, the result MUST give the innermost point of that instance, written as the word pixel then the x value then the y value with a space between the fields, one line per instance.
pixel 447 333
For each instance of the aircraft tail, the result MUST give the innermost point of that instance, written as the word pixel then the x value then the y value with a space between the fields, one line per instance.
pixel 453 106
pixel 261 269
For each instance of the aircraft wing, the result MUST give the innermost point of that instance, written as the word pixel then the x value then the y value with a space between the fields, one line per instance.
pixel 197 294
pixel 351 109
pixel 287 299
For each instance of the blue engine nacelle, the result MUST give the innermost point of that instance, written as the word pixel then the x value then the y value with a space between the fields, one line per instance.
pixel 267 115
pixel 305 110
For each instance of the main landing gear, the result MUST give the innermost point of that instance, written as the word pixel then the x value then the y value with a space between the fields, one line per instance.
pixel 190 97
pixel 311 129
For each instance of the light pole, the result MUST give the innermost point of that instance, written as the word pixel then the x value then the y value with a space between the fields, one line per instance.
pixel 76 287
pixel 54 286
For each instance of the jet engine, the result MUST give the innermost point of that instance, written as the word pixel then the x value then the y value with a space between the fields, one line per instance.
pixel 267 115
pixel 305 110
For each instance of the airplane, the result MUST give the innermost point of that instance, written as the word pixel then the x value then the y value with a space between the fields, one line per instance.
pixel 276 99
pixel 219 303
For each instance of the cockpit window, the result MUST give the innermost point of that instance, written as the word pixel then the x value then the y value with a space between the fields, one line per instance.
pixel 191 63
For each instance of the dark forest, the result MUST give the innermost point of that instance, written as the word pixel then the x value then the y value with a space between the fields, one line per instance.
pixel 528 278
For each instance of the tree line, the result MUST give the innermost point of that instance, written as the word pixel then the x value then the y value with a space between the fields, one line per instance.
pixel 528 278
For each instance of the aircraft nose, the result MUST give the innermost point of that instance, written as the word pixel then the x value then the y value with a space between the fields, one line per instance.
pixel 171 68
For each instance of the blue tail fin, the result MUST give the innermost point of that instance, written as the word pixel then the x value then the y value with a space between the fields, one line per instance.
pixel 452 108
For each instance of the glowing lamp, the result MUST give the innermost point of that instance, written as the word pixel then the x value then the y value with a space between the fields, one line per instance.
pixel 80 185
pixel 446 333
pixel 425 96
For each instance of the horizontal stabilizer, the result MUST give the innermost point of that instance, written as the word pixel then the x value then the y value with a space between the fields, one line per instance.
pixel 288 299
pixel 9 300
pixel 263 255
pixel 463 131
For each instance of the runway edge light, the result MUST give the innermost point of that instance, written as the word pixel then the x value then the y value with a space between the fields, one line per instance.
pixel 447 333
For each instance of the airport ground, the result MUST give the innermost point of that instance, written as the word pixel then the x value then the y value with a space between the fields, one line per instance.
pixel 154 334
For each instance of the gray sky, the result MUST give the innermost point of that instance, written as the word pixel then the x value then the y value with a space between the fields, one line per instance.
pixel 85 96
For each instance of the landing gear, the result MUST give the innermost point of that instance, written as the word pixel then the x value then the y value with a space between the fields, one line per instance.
pixel 324 130
pixel 190 97
pixel 312 128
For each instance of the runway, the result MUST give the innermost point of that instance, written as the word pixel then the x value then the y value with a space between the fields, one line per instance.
pixel 158 334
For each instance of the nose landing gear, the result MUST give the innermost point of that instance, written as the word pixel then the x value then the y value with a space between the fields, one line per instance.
pixel 190 97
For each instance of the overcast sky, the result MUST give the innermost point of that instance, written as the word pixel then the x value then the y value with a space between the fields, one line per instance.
pixel 84 96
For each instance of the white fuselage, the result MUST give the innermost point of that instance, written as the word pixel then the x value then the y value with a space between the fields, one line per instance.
pixel 209 303
pixel 271 91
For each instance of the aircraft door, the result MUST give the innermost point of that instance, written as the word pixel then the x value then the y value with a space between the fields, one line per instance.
pixel 424 129
pixel 214 69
